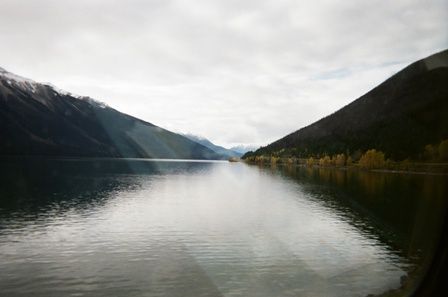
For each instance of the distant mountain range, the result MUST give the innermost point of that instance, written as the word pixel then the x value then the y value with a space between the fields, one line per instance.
pixel 242 149
pixel 225 153
pixel 399 117
pixel 39 119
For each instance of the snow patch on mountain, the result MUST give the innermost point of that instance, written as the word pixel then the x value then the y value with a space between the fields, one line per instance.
pixel 19 81
pixel 27 84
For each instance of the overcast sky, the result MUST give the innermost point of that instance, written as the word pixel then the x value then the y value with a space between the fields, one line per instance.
pixel 234 71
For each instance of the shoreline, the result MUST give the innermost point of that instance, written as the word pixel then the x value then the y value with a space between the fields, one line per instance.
pixel 439 169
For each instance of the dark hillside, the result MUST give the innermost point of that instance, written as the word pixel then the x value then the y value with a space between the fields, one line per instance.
pixel 398 117
pixel 38 119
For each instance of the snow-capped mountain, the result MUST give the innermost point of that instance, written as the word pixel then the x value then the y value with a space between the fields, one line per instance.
pixel 242 149
pixel 226 153
pixel 40 119
pixel 40 89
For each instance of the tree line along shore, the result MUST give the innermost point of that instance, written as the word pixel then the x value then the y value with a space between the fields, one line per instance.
pixel 433 159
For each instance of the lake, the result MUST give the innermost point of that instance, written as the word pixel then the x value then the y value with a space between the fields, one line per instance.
pixel 132 227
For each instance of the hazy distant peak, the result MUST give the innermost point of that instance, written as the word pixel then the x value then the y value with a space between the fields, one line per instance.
pixel 224 152
pixel 242 149
pixel 199 139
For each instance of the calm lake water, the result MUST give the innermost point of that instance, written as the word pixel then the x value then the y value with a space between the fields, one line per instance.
pixel 86 227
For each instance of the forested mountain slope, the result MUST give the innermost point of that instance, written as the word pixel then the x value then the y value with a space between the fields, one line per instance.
pixel 399 117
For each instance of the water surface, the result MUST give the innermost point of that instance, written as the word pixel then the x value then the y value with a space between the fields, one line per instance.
pixel 86 227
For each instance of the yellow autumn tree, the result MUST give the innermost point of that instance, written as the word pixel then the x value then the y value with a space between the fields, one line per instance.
pixel 372 159
pixel 349 161
pixel 430 153
pixel 325 161
pixel 310 161
pixel 340 160
pixel 443 150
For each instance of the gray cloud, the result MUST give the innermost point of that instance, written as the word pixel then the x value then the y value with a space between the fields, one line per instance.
pixel 233 71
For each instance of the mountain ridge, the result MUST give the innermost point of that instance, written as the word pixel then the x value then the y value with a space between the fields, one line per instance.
pixel 399 116
pixel 242 149
pixel 39 119
pixel 226 153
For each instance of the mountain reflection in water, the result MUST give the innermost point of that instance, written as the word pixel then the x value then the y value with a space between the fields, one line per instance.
pixel 108 227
